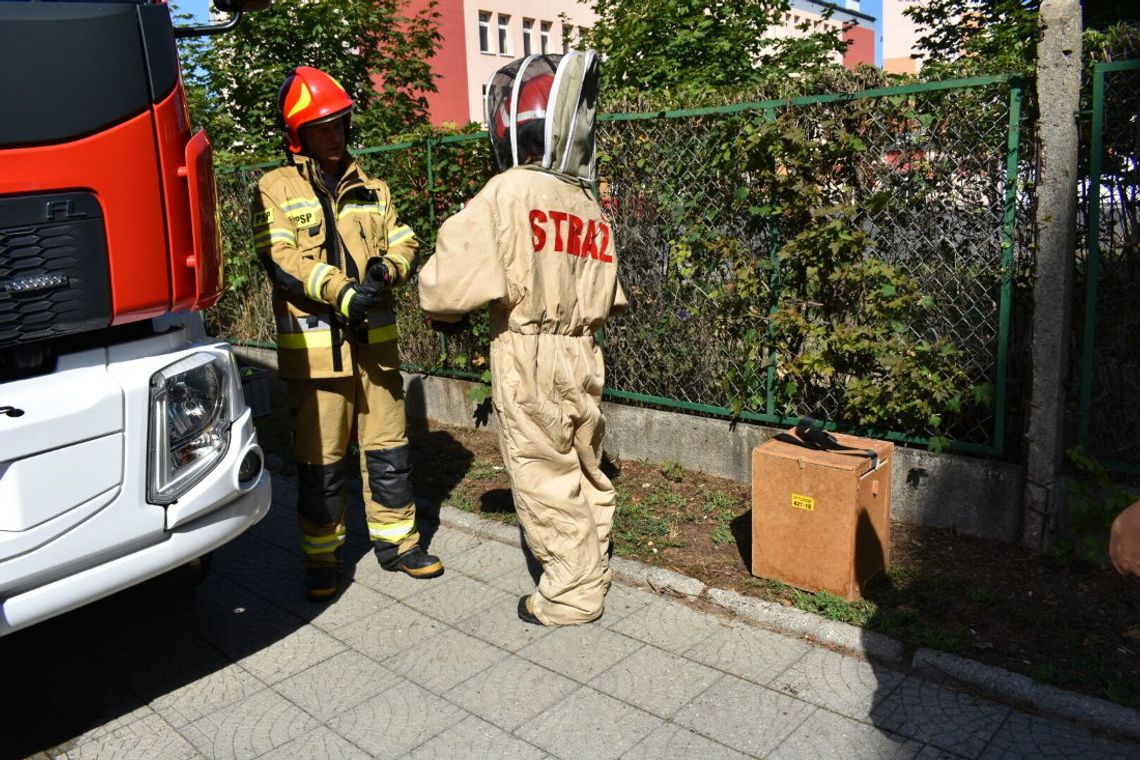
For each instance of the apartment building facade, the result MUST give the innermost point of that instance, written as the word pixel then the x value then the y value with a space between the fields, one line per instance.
pixel 479 36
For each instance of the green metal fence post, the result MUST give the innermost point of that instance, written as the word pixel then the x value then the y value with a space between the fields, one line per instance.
pixel 773 292
pixel 1009 222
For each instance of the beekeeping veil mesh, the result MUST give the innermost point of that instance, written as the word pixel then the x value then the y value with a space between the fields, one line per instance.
pixel 542 109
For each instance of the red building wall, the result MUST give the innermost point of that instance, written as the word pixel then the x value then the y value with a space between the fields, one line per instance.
pixel 449 63
pixel 861 46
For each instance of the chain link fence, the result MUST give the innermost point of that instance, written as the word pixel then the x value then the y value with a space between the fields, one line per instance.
pixel 927 195
pixel 1105 417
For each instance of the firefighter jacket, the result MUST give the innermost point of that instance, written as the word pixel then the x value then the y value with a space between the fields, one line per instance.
pixel 313 243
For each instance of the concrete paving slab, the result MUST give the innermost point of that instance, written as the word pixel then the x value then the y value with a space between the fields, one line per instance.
pixel 841 683
pixel 488 561
pixel 500 625
pixel 1023 735
pixel 444 660
pixel 510 692
pixel 227 684
pixel 668 625
pixel 749 718
pixel 396 721
pixel 249 728
pixel 473 737
pixel 353 602
pixel 828 736
pixel 396 628
pixel 580 651
pixel 319 744
pixel 589 725
pixel 750 653
pixel 932 714
pixel 291 654
pixel 655 680
pixel 455 598
pixel 671 742
pixel 143 739
pixel 337 685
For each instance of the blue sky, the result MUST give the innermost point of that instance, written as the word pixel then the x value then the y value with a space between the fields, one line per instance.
pixel 200 8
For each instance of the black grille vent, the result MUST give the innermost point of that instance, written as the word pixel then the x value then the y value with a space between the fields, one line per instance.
pixel 54 278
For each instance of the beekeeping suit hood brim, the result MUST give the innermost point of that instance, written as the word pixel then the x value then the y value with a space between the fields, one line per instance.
pixel 543 109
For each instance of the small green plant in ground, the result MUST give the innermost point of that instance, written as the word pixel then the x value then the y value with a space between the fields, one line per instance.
pixel 481 469
pixel 832 607
pixel 720 508
pixel 672 471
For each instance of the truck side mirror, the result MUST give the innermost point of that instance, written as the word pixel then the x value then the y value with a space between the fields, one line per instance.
pixel 233 7
pixel 246 6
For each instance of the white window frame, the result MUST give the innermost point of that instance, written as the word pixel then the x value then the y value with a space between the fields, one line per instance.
pixel 484 31
pixel 503 21
pixel 528 36
pixel 544 37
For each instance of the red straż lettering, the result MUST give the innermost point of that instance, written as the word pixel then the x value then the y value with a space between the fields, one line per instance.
pixel 537 233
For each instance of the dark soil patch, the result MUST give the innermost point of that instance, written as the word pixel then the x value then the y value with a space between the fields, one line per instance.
pixel 1076 626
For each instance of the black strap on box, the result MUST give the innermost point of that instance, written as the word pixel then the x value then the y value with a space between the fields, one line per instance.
pixel 810 435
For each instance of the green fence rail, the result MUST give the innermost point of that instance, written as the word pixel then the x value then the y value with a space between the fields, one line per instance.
pixel 1108 273
pixel 750 236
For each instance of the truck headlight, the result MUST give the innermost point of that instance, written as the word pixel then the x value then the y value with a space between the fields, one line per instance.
pixel 189 424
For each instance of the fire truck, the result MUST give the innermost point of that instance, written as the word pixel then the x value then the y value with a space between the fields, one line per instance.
pixel 127 449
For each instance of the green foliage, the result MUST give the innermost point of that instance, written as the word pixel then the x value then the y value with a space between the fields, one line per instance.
pixel 234 78
pixel 832 607
pixel 1093 501
pixel 845 329
pixel 696 47
pixel 974 37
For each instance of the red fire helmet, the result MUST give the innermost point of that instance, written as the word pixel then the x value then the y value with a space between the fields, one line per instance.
pixel 309 96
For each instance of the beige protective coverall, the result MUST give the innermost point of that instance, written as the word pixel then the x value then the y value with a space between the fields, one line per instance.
pixel 536 246
pixel 313 243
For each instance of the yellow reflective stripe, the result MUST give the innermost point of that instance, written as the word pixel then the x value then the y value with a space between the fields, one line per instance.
pixel 300 204
pixel 322 544
pixel 403 232
pixel 277 234
pixel 400 264
pixel 345 300
pixel 311 339
pixel 391 533
pixel 358 208
pixel 383 334
pixel 323 338
pixel 316 280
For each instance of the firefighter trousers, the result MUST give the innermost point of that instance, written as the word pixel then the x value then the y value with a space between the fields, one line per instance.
pixel 547 391
pixel 324 413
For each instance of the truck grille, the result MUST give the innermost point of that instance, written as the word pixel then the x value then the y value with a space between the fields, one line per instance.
pixel 54 277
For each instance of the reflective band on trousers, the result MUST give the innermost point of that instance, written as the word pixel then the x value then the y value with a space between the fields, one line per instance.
pixel 315 332
pixel 323 544
pixel 323 338
pixel 390 533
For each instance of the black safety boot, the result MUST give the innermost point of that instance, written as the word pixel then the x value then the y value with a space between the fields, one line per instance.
pixel 417 563
pixel 525 614
pixel 320 583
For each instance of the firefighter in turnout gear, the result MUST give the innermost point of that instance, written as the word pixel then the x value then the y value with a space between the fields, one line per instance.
pixel 535 245
pixel 330 242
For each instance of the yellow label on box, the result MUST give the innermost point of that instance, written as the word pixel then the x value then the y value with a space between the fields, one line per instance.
pixel 803 502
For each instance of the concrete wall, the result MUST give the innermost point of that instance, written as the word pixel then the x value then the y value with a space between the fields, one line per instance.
pixel 977 497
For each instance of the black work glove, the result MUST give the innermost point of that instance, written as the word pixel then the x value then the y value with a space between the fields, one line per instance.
pixel 450 328
pixel 378 275
pixel 354 302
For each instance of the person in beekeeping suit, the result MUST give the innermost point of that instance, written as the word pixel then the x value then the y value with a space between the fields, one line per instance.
pixel 535 245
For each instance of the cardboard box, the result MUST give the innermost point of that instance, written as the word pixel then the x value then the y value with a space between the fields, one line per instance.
pixel 821 518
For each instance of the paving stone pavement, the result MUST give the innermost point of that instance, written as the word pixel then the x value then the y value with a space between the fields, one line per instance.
pixel 245 667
